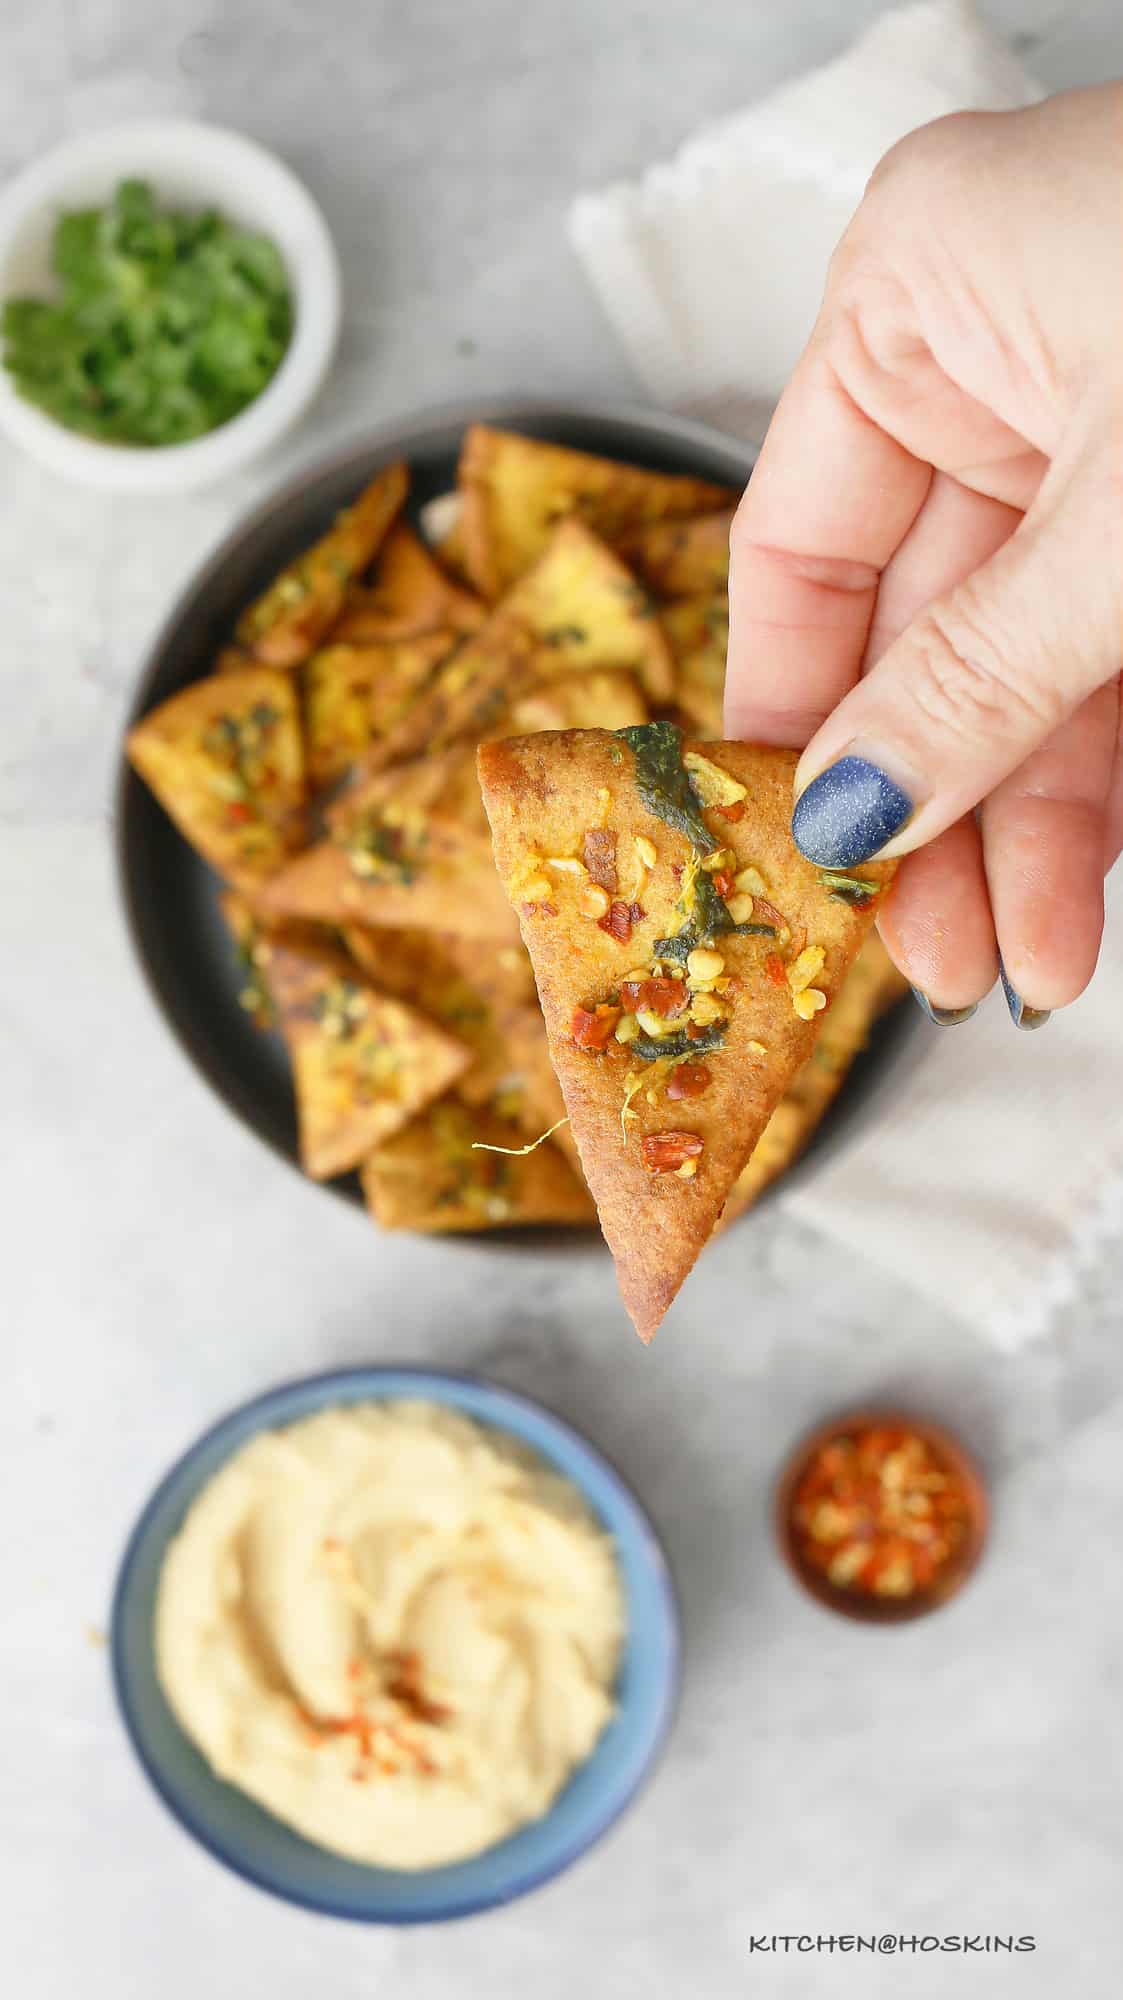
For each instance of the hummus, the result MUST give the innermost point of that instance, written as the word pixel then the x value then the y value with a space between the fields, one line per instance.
pixel 397 1631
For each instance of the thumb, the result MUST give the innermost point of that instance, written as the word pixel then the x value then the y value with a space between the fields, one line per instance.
pixel 982 677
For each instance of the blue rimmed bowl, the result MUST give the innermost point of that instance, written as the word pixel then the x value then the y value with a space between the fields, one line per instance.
pixel 260 1848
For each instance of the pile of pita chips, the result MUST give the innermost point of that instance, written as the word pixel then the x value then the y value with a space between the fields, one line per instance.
pixel 697 631
pixel 254 941
pixel 676 559
pixel 363 1064
pixel 409 596
pixel 515 490
pixel 387 640
pixel 454 1170
pixel 577 609
pixel 301 605
pixel 683 950
pixel 406 865
pixel 226 760
pixel 327 769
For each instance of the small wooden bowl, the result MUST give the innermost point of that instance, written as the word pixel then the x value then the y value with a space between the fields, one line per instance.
pixel 863 1605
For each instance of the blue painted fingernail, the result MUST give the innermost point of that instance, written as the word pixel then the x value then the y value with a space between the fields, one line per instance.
pixel 944 1017
pixel 848 813
pixel 1022 1016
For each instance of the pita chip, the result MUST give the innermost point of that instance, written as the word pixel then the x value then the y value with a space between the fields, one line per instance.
pixel 684 952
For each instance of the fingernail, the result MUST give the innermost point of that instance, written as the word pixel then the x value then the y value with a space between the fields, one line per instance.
pixel 944 1017
pixel 848 812
pixel 1022 1016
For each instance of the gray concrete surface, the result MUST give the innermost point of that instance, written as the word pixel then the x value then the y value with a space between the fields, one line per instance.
pixel 959 1776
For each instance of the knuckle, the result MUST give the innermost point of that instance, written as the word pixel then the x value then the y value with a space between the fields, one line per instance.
pixel 849 253
pixel 932 172
pixel 968 679
pixel 945 146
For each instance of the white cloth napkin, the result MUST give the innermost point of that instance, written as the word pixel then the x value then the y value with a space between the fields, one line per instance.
pixel 996 1166
pixel 711 267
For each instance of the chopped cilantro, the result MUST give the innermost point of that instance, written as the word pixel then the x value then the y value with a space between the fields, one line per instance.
pixel 663 781
pixel 165 325
pixel 704 1042
pixel 849 888
pixel 709 919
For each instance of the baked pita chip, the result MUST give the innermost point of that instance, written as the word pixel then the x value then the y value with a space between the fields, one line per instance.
pixel 421 967
pixel 362 1064
pixel 285 624
pixel 501 972
pixel 233 660
pixel 528 1092
pixel 446 781
pixel 681 965
pixel 585 609
pixel 872 985
pixel 465 696
pixel 355 694
pixel 577 610
pixel 591 700
pixel 516 489
pixel 491 1008
pixel 225 758
pixel 409 595
pixel 449 551
pixel 430 1178
pixel 254 940
pixel 681 558
pixel 698 632
pixel 388 863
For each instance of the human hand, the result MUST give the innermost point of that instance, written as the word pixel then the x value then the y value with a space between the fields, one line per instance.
pixel 926 582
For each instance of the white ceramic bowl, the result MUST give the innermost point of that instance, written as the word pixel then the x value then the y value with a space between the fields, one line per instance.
pixel 189 165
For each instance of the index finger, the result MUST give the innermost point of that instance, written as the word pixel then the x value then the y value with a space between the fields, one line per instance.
pixel 830 499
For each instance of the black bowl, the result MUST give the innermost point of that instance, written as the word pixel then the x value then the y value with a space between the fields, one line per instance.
pixel 171 896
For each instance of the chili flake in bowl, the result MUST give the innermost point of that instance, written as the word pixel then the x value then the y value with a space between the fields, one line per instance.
pixel 881 1515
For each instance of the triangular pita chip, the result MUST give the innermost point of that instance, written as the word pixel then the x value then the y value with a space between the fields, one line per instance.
pixel 445 783
pixel 516 489
pixel 590 700
pixel 698 631
pixel 421 967
pixel 284 625
pixel 431 1177
pixel 585 609
pixel 502 972
pixel 254 941
pixel 494 1013
pixel 381 652
pixel 362 1064
pixel 528 1092
pixel 389 863
pixel 577 610
pixel 681 966
pixel 225 758
pixel 408 595
pixel 354 694
pixel 681 558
